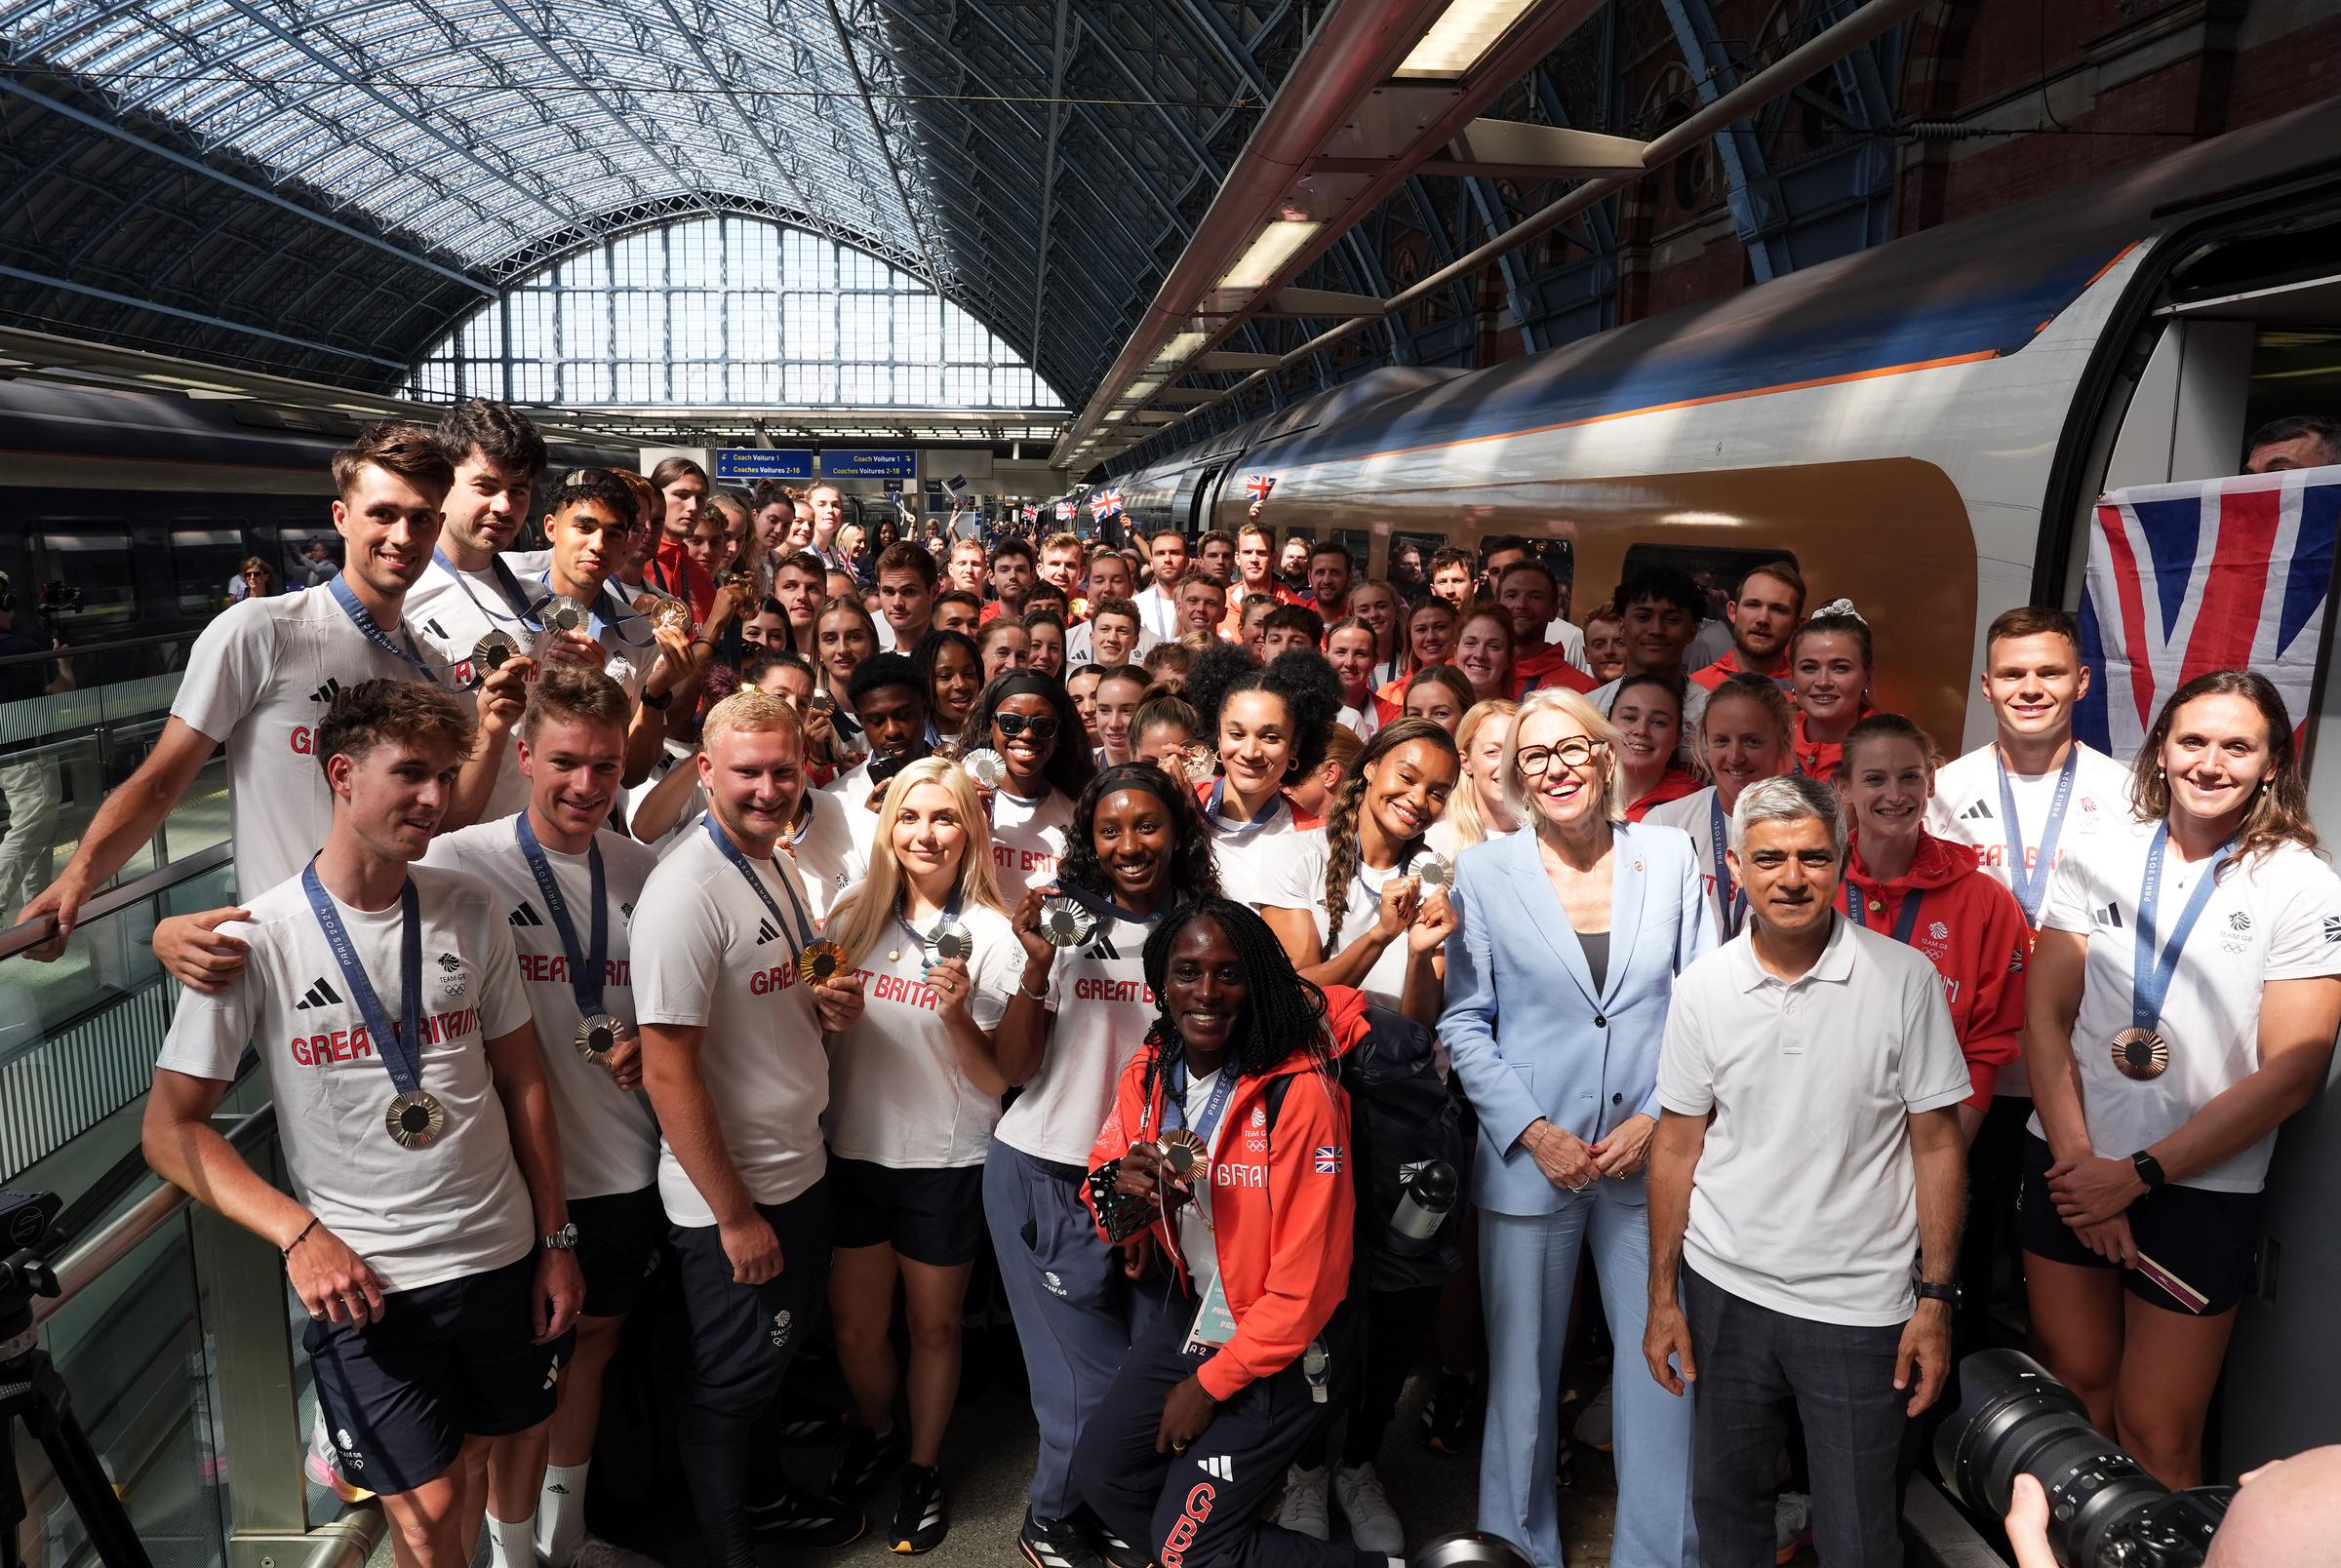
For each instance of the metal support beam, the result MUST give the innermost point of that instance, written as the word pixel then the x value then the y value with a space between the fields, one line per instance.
pixel 1758 211
pixel 1057 58
pixel 1220 359
pixel 1326 302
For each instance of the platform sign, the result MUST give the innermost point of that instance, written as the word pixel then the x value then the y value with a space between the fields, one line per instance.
pixel 747 464
pixel 894 487
pixel 871 463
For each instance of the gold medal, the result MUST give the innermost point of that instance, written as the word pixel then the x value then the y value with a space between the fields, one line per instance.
pixel 662 612
pixel 2140 1054
pixel 597 1038
pixel 1064 922
pixel 1197 762
pixel 415 1119
pixel 821 960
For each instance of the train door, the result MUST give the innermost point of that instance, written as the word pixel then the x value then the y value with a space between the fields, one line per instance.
pixel 1201 501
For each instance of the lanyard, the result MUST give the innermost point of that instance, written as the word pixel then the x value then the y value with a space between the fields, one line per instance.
pixel 803 927
pixel 1215 1104
pixel 400 1048
pixel 506 585
pixel 2152 969
pixel 1730 901
pixel 950 917
pixel 1242 830
pixel 1906 921
pixel 363 619
pixel 1107 908
pixel 2030 883
pixel 587 968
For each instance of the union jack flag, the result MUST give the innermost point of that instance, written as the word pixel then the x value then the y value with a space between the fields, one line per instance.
pixel 1113 502
pixel 1328 1160
pixel 1099 511
pixel 2214 575
pixel 1258 486
pixel 1066 510
pixel 1030 514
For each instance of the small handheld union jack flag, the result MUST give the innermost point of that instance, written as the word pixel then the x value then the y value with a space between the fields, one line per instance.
pixel 1328 1160
pixel 1113 502
pixel 1258 486
pixel 1066 511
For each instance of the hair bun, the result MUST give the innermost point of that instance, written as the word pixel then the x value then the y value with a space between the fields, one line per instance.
pixel 1841 606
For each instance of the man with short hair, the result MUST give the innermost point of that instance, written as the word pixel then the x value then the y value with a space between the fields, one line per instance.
pixel 468 589
pixel 1202 604
pixel 1764 610
pixel 889 700
pixel 1450 576
pixel 968 567
pixel 1216 553
pixel 318 564
pixel 264 672
pixel 1808 1149
pixel 829 504
pixel 1109 583
pixel 2300 441
pixel 1062 557
pixel 1255 567
pixel 1158 604
pixel 1289 628
pixel 733 1000
pixel 1661 608
pixel 957 611
pixel 571 883
pixel 1115 636
pixel 428 1232
pixel 1013 577
pixel 1331 572
pixel 1529 593
pixel 1292 566
pixel 906 595
pixel 800 583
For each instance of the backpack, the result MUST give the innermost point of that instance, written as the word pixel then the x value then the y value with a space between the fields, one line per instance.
pixel 1402 1117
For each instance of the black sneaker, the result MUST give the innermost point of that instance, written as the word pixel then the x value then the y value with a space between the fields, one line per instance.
pixel 805 1521
pixel 919 1519
pixel 1445 1422
pixel 1054 1543
pixel 868 1456
pixel 1116 1551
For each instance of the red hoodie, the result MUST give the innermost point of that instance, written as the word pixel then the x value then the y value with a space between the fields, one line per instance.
pixel 1283 1207
pixel 673 569
pixel 1972 931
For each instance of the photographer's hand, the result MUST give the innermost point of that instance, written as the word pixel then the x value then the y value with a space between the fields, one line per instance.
pixel 2027 1524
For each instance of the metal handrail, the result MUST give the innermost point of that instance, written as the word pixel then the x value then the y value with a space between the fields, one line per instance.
pixel 33 933
pixel 88 1262
pixel 120 645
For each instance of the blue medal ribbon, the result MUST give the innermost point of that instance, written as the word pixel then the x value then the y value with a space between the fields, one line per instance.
pixel 1111 909
pixel 2152 969
pixel 1906 921
pixel 1730 901
pixel 801 930
pixel 363 619
pixel 587 968
pixel 400 1048
pixel 1215 1104
pixel 1242 830
pixel 515 598
pixel 949 917
pixel 2030 883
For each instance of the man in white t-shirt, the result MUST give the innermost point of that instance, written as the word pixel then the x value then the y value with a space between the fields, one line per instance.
pixel 732 1020
pixel 262 674
pixel 829 504
pixel 548 865
pixel 427 1234
pixel 469 589
pixel 1826 1056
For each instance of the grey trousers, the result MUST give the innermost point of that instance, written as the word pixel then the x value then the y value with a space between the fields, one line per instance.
pixel 1755 1366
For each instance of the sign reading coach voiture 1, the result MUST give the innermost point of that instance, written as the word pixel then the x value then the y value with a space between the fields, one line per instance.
pixel 747 465
pixel 871 462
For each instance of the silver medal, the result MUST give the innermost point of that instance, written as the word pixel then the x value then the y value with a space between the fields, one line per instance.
pixel 949 940
pixel 1064 923
pixel 1435 871
pixel 561 614
pixel 986 766
pixel 489 652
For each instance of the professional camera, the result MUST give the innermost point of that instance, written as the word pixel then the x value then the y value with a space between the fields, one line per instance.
pixel 24 1221
pixel 57 600
pixel 2103 1508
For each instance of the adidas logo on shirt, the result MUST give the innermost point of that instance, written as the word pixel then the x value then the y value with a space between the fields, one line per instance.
pixel 433 627
pixel 524 915
pixel 2110 915
pixel 321 994
pixel 1977 813
pixel 765 932
pixel 328 692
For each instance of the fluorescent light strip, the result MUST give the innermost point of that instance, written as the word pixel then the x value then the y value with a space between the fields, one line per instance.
pixel 1461 38
pixel 1278 244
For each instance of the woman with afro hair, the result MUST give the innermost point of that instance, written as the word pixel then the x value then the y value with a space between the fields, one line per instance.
pixel 1267 726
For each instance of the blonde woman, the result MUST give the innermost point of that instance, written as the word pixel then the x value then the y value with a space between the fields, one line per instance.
pixel 914 1094
pixel 1477 811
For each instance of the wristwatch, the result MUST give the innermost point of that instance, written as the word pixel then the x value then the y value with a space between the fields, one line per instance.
pixel 2150 1170
pixel 657 701
pixel 564 1240
pixel 1947 1293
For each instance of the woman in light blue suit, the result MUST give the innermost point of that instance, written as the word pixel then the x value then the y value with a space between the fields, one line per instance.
pixel 1568 943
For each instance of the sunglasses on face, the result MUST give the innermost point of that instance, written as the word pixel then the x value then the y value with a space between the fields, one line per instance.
pixel 1039 725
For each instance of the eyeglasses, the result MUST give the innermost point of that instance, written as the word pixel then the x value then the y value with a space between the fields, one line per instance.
pixel 1039 725
pixel 1537 761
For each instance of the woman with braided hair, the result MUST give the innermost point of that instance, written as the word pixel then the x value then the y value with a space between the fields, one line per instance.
pixel 1268 728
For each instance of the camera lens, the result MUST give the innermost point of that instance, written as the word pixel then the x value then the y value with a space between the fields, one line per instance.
pixel 2014 1418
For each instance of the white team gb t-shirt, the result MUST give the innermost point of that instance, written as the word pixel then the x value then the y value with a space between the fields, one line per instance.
pixel 1303 887
pixel 707 952
pixel 260 679
pixel 608 1138
pixel 1102 1007
pixel 2272 917
pixel 1028 841
pixel 417 1216
pixel 898 1096
pixel 1256 858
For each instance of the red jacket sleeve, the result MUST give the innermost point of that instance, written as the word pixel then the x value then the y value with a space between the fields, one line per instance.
pixel 1312 1217
pixel 1994 1036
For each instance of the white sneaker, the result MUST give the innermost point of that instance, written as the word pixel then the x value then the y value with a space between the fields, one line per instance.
pixel 595 1552
pixel 1303 1510
pixel 1791 1525
pixel 1594 1421
pixel 1373 1522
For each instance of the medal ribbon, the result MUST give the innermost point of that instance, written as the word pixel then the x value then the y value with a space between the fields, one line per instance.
pixel 1730 902
pixel 1241 830
pixel 2030 883
pixel 1107 908
pixel 363 619
pixel 2152 969
pixel 603 613
pixel 587 970
pixel 949 917
pixel 802 928
pixel 515 598
pixel 401 1049
pixel 1905 921
pixel 1205 1125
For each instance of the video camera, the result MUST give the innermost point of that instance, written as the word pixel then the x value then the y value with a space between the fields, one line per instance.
pixel 57 600
pixel 25 1219
pixel 2103 1508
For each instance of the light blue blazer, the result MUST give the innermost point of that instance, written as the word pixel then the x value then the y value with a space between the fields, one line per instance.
pixel 1528 1033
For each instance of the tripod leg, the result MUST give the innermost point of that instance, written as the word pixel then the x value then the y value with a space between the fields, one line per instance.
pixel 78 1470
pixel 12 1498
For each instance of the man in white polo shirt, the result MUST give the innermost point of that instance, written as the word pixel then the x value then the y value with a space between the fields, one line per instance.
pixel 732 1014
pixel 428 1232
pixel 1826 1056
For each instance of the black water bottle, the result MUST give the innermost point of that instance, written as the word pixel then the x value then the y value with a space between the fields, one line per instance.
pixel 1426 1197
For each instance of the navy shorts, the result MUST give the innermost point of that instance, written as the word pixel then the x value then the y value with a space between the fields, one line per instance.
pixel 934 1217
pixel 2208 1240
pixel 444 1363
pixel 618 1238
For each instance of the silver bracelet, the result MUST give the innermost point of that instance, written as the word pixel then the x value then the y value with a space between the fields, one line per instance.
pixel 1034 995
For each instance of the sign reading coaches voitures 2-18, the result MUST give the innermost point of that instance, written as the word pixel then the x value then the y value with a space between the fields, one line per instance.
pixel 871 462
pixel 747 464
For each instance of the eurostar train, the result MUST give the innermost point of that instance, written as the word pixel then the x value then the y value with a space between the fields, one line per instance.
pixel 1922 426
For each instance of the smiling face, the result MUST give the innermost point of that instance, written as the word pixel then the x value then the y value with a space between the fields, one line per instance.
pixel 2216 756
pixel 929 836
pixel 487 505
pixel 1744 744
pixel 842 641
pixel 966 571
pixel 1202 605
pixel 1377 607
pixel 1024 734
pixel 1656 633
pixel 1484 653
pixel 1564 771
pixel 957 678
pixel 1484 763
pixel 1829 676
pixel 388 527
pixel 1109 577
pixel 1116 705
pixel 1887 783
pixel 1605 647
pixel 1255 558
pixel 1329 580
pixel 754 779
pixel 1409 788
pixel 1045 647
pixel 1435 702
pixel 1135 837
pixel 1006 646
pixel 1762 618
pixel 1294 560
pixel 394 795
pixel 1527 599
pixel 1791 873
pixel 1649 725
pixel 1433 635
pixel 588 541
pixel 572 766
pixel 1255 743
pixel 1350 651
pixel 1205 988
pixel 2032 684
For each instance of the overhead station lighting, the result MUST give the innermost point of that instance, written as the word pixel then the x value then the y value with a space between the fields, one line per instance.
pixel 1279 243
pixel 1181 348
pixel 1461 38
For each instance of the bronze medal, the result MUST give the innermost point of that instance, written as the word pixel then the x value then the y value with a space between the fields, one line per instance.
pixel 1064 922
pixel 821 702
pixel 821 960
pixel 596 1038
pixel 1183 1154
pixel 1198 762
pixel 2140 1054
pixel 415 1119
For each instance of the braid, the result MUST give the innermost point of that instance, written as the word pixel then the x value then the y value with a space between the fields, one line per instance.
pixel 1341 856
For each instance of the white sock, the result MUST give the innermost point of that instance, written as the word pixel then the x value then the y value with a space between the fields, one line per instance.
pixel 511 1544
pixel 561 1512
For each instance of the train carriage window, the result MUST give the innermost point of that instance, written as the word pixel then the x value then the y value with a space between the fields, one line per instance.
pixel 204 562
pixel 1358 542
pixel 98 568
pixel 1716 569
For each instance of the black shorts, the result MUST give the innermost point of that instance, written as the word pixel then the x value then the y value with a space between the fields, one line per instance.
pixel 934 1217
pixel 2208 1240
pixel 618 1236
pixel 444 1363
